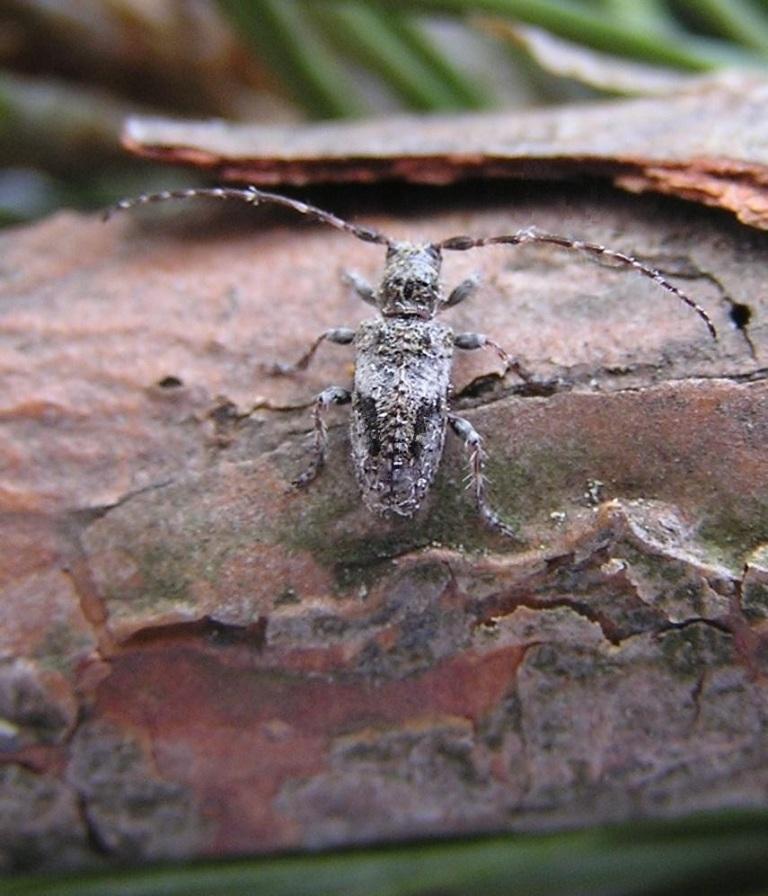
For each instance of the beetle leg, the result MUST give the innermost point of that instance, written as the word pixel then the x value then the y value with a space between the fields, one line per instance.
pixel 473 445
pixel 329 396
pixel 339 335
pixel 470 341
pixel 463 291
pixel 361 287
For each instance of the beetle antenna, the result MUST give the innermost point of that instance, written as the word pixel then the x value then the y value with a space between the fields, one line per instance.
pixel 255 197
pixel 531 235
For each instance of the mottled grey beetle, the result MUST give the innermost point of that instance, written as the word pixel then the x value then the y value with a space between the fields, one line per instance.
pixel 400 397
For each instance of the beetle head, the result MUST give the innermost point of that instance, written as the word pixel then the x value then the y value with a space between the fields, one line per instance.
pixel 411 281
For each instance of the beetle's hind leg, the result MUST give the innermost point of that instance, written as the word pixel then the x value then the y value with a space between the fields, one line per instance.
pixel 473 445
pixel 329 396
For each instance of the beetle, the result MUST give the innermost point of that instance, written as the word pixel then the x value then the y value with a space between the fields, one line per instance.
pixel 401 393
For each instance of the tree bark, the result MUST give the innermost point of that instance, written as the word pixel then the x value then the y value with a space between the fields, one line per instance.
pixel 707 142
pixel 198 661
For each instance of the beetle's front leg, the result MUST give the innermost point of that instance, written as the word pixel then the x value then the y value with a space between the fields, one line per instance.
pixel 361 287
pixel 465 290
pixel 339 335
pixel 470 341
pixel 473 445
pixel 329 396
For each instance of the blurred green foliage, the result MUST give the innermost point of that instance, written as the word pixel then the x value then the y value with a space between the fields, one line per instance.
pixel 70 73
pixel 724 854
pixel 393 40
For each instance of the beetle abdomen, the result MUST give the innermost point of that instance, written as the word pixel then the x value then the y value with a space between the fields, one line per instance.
pixel 399 410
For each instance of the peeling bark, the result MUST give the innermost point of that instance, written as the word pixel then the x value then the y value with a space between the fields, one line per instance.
pixel 195 661
pixel 707 143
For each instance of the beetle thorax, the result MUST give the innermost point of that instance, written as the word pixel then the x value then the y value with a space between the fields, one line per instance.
pixel 411 282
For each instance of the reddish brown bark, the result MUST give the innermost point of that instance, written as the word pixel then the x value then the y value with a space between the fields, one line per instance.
pixel 197 662
pixel 707 143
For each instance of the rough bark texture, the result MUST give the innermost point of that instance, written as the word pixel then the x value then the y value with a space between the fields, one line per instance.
pixel 195 661
pixel 709 143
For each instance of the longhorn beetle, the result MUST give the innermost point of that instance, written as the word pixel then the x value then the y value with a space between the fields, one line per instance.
pixel 400 397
